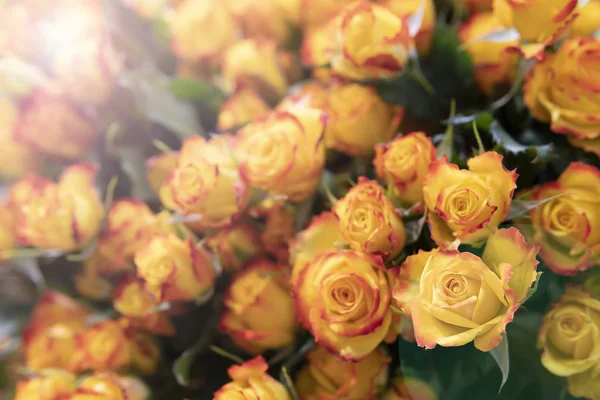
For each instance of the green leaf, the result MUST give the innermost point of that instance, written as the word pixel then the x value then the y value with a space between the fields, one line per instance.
pixel 508 144
pixel 534 288
pixel 190 89
pixel 500 355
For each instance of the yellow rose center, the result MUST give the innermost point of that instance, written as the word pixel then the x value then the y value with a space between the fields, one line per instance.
pixel 570 332
pixel 462 204
pixel 563 218
pixel 344 298
pixel 456 292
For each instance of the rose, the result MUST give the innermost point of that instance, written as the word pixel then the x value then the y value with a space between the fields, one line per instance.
pixel 358 119
pixel 371 42
pixel 565 227
pixel 467 205
pixel 201 30
pixel 158 169
pixel 109 386
pixel 259 312
pixel 241 107
pixel 587 21
pixel 206 183
pixel 254 63
pixel 64 215
pixel 454 298
pixel 51 124
pixel 563 90
pixel 343 298
pixel 17 158
pixel 260 19
pixel 250 380
pixel 326 377
pixel 494 65
pixel 235 245
pixel 405 9
pixel 407 388
pixel 134 387
pixel 570 334
pixel 368 220
pixel 50 385
pixel 283 152
pixel 403 163
pixel 101 347
pixel 174 269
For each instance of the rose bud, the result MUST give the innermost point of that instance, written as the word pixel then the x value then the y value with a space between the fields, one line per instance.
pixel 560 90
pixel 587 21
pixel 64 215
pixel 174 269
pixel 570 337
pixel 283 152
pixel 314 13
pixel 403 163
pixel 206 184
pixel 145 354
pixel 251 379
pixel 259 312
pixel 253 63
pixel 494 65
pixel 564 224
pixel 317 46
pixel 7 231
pixel 454 298
pixel 158 168
pixel 201 29
pixel 405 9
pixel 358 119
pixel 260 19
pixel 326 377
pixel 51 124
pixel 235 245
pixel 331 294
pixel 369 221
pixel 102 347
pixel 403 388
pixel 467 205
pixel 242 107
pixel 371 42
pixel 50 385
pixel 17 158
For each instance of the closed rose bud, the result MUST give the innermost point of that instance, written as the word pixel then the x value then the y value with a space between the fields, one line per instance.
pixel 51 124
pixel 201 29
pixel 494 65
pixel 570 334
pixel 100 387
pixel 254 63
pixel 64 215
pixel 317 46
pixel 407 388
pixel 369 221
pixel 235 245
pixel 50 385
pixel 405 9
pixel 371 42
pixel 259 312
pixel 283 152
pixel 145 353
pixel 260 19
pixel 564 225
pixel 17 158
pixel 358 119
pixel 174 269
pixel 207 184
pixel 102 347
pixel 467 205
pixel 7 231
pixel 251 379
pixel 326 377
pixel 158 169
pixel 331 293
pixel 404 163
pixel 242 107
pixel 454 298
pixel 587 21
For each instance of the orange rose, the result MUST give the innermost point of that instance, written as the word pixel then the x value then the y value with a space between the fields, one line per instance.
pixel 467 205
pixel 242 107
pixel 235 245
pixel 343 298
pixel 102 347
pixel 51 385
pixel 326 377
pixel 17 158
pixel 407 388
pixel 404 163
pixel 405 9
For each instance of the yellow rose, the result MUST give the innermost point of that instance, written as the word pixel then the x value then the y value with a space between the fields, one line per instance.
pixel 207 184
pixel 254 63
pixel 587 21
pixel 250 380
pixel 566 228
pixel 174 269
pixel 467 205
pixel 314 13
pixel 493 63
pixel 326 377
pixel 201 29
pixel 371 42
pixel 403 164
pixel 64 215
pixel 158 169
pixel 235 245
pixel 100 387
pixel 405 9
pixel 260 19
pixel 316 49
pixel 369 221
pixel 454 298
pixel 259 312
pixel 51 385
pixel 586 384
pixel 283 152
pixel 563 90
pixel 570 334
pixel 343 298
pixel 102 347
pixel 358 119
pixel 241 107
pixel 17 158
pixel 51 124
pixel 409 388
